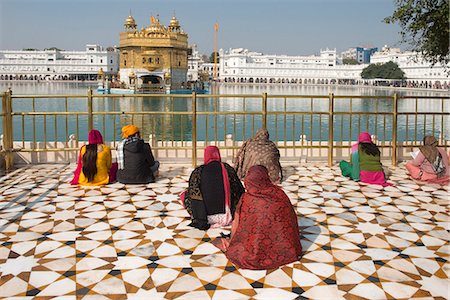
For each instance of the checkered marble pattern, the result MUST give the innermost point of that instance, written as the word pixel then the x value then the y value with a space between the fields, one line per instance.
pixel 132 241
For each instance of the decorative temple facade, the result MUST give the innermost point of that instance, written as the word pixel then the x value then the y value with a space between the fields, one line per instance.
pixel 153 55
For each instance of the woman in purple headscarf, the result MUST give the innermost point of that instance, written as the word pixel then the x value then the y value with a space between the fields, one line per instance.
pixel 95 165
pixel 365 165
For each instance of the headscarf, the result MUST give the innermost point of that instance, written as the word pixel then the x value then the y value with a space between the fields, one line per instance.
pixel 364 137
pixel 262 134
pixel 95 137
pixel 429 149
pixel 129 130
pixel 257 180
pixel 259 151
pixel 212 153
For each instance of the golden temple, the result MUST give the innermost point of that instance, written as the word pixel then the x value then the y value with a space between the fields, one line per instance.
pixel 155 54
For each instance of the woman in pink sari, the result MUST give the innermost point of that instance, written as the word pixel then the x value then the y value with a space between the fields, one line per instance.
pixel 213 193
pixel 431 164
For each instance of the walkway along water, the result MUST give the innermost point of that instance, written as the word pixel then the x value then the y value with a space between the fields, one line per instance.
pixel 45 128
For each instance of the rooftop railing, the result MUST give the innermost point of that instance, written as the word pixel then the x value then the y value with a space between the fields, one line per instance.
pixel 185 124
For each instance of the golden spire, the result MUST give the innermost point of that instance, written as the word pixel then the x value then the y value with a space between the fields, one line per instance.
pixel 130 23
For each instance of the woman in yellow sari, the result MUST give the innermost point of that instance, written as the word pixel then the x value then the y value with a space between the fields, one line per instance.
pixel 95 165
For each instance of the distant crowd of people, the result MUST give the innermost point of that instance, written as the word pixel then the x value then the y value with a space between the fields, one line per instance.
pixel 264 226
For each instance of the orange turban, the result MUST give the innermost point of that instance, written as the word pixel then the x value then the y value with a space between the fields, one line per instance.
pixel 129 130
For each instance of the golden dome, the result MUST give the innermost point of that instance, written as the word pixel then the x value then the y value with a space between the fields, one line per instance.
pixel 130 22
pixel 174 22
pixel 167 75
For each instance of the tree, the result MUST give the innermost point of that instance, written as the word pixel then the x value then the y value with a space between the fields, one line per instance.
pixel 389 70
pixel 424 25
pixel 211 57
pixel 350 61
pixel 53 48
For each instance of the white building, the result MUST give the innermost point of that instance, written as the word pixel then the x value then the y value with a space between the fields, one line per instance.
pixel 58 65
pixel 194 62
pixel 244 66
pixel 241 65
pixel 209 68
pixel 415 67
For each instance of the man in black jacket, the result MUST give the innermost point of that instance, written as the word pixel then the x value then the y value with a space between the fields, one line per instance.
pixel 135 159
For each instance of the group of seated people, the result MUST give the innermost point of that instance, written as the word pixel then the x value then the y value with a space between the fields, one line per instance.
pixel 264 227
pixel 430 164
pixel 135 162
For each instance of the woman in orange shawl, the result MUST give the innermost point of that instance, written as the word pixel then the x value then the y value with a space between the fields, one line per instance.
pixel 265 233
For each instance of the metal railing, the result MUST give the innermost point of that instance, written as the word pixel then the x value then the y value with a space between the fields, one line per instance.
pixel 189 122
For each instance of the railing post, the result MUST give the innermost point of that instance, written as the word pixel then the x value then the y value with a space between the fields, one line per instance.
pixel 264 110
pixel 330 129
pixel 90 111
pixel 7 129
pixel 194 129
pixel 394 131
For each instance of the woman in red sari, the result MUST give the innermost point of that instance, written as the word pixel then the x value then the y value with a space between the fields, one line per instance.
pixel 265 233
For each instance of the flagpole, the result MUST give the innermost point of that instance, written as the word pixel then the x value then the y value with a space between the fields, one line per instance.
pixel 215 51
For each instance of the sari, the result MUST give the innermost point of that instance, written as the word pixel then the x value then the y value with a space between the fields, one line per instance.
pixel 265 233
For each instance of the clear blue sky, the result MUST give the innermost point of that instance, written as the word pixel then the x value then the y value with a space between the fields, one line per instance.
pixel 294 27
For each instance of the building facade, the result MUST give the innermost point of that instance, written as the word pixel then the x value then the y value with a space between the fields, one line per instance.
pixel 58 64
pixel 414 66
pixel 360 54
pixel 194 63
pixel 242 65
pixel 154 53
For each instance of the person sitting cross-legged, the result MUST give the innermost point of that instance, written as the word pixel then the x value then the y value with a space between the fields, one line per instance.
pixel 95 166
pixel 265 233
pixel 213 193
pixel 430 164
pixel 365 165
pixel 259 150
pixel 136 164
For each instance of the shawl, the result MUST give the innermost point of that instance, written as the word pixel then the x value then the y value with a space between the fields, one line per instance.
pixel 259 151
pixel 265 233
pixel 364 137
pixel 432 154
pixel 209 192
pixel 119 153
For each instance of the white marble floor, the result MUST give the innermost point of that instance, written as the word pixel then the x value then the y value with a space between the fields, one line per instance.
pixel 132 241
